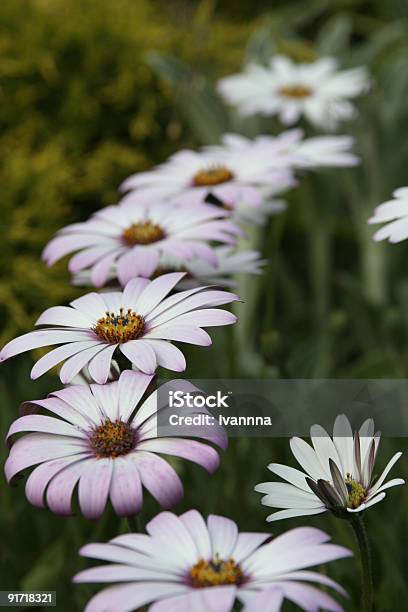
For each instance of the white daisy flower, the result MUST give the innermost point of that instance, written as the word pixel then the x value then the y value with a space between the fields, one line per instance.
pixel 317 90
pixel 297 152
pixel 131 239
pixel 198 271
pixel 395 214
pixel 240 179
pixel 338 473
pixel 187 564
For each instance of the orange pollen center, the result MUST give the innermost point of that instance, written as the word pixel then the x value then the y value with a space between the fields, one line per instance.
pixel 212 176
pixel 295 91
pixel 142 233
pixel 112 439
pixel 122 327
pixel 215 573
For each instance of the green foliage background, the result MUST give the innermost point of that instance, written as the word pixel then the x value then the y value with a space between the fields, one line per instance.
pixel 92 91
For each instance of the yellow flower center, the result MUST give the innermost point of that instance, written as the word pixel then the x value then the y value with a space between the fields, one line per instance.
pixel 356 492
pixel 295 91
pixel 122 327
pixel 112 439
pixel 212 176
pixel 142 233
pixel 215 573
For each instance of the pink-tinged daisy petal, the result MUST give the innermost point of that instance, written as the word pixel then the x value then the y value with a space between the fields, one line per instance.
pixel 60 490
pixel 91 305
pixel 113 301
pixel 99 366
pixel 94 487
pixel 200 453
pixel 168 356
pixel 223 534
pixel 292 513
pixel 182 333
pixel 132 386
pixel 324 448
pixel 63 245
pixel 306 457
pixel 159 478
pixel 173 300
pixel 89 257
pixel 54 357
pixel 209 317
pixel 38 339
pixel 385 473
pixel 214 599
pixel 246 544
pixel 117 573
pixel 156 291
pixel 190 303
pixel 126 598
pixel 373 500
pixel 268 600
pixel 44 424
pixel 100 271
pixel 141 354
pixel 395 482
pixel 343 441
pixel 126 492
pixel 74 364
pixel 81 400
pixel 140 261
pixel 170 532
pixel 40 477
pixel 308 598
pixel 64 315
pixel 38 447
pixel 293 476
pixel 284 495
pixel 195 524
pixel 132 292
pixel 60 408
pixel 107 398
pixel 123 553
pixel 314 577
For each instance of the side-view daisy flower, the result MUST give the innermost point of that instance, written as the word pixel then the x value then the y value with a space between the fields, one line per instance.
pixel 394 214
pixel 239 179
pixel 198 271
pixel 103 438
pixel 338 473
pixel 185 563
pixel 132 239
pixel 295 151
pixel 140 322
pixel 316 90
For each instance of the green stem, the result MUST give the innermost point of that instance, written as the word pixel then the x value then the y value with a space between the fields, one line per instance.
pixel 135 523
pixel 360 532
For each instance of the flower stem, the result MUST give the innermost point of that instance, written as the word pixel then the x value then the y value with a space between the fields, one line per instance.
pixel 135 524
pixel 360 532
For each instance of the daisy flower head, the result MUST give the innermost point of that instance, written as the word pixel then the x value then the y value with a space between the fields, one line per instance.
pixel 230 262
pixel 186 563
pixel 394 214
pixel 337 476
pixel 316 90
pixel 141 322
pixel 240 180
pixel 132 239
pixel 103 438
pixel 297 152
